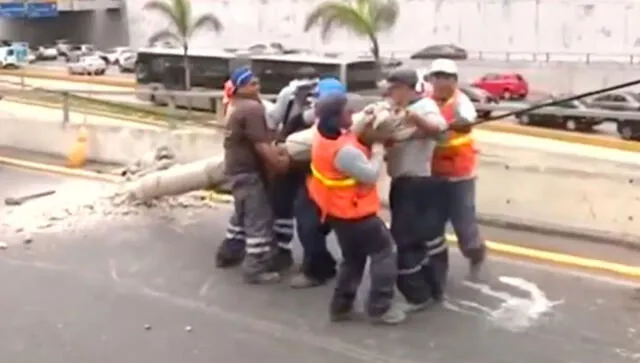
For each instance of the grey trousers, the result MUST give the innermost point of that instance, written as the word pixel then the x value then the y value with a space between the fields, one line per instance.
pixel 254 217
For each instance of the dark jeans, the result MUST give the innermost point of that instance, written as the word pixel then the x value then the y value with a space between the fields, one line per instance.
pixel 458 205
pixel 423 259
pixel 361 239
pixel 283 191
pixel 317 262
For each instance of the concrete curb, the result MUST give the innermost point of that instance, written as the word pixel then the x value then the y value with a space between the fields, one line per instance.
pixel 498 248
pixel 572 137
pixel 566 136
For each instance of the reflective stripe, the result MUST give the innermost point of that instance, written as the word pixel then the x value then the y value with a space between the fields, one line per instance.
pixel 332 183
pixel 457 141
pixel 258 240
pixel 283 230
pixel 258 250
pixel 284 245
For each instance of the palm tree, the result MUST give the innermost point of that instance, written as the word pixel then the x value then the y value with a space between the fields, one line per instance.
pixel 182 26
pixel 365 18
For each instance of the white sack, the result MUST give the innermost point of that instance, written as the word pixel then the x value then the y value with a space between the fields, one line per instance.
pixel 385 119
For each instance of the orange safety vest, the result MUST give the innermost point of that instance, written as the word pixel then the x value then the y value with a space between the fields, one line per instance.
pixel 455 156
pixel 334 193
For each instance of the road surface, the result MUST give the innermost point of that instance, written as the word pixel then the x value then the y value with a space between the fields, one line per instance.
pixel 144 289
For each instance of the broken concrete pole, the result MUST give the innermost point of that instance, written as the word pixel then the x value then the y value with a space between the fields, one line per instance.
pixel 179 179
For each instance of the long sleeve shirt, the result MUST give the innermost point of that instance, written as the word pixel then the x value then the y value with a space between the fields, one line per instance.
pixel 354 163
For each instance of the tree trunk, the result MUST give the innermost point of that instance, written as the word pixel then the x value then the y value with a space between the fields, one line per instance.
pixel 375 51
pixel 187 71
pixel 187 77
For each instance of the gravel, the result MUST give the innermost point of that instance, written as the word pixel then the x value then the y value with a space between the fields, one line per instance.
pixel 83 204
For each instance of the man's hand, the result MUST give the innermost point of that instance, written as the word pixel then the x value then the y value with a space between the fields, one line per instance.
pixel 461 127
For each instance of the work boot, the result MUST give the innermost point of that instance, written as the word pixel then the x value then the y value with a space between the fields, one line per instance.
pixel 393 316
pixel 417 307
pixel 341 315
pixel 257 269
pixel 226 258
pixel 477 267
pixel 303 281
pixel 282 261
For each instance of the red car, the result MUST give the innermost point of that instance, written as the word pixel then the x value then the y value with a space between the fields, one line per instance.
pixel 506 86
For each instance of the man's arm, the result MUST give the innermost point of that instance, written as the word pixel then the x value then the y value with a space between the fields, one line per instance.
pixel 354 163
pixel 465 110
pixel 256 130
pixel 276 116
pixel 466 114
pixel 427 118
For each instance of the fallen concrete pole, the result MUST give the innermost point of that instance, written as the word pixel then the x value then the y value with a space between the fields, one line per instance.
pixel 179 179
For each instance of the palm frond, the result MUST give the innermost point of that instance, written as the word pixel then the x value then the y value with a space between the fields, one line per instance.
pixel 182 9
pixel 339 14
pixel 165 34
pixel 206 21
pixel 384 14
pixel 164 9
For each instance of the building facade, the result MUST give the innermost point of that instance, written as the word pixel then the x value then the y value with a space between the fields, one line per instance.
pixel 572 26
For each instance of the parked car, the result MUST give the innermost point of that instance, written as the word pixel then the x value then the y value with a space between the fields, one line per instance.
pixel 90 65
pixel 112 56
pixel 621 101
pixel 62 46
pixel 506 86
pixel 479 97
pixel 548 116
pixel 75 52
pixel 449 51
pixel 127 62
pixel 47 52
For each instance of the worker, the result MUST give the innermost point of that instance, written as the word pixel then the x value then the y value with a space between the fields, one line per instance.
pixel 251 159
pixel 318 263
pixel 455 163
pixel 342 184
pixel 412 194
pixel 285 118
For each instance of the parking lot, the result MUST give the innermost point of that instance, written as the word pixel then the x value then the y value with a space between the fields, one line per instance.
pixel 143 288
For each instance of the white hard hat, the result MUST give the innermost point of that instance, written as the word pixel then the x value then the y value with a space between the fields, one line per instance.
pixel 443 66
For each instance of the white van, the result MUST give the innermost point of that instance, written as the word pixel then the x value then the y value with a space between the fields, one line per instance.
pixel 13 56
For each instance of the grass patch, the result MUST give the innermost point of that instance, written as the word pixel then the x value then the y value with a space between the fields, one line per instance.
pixel 123 110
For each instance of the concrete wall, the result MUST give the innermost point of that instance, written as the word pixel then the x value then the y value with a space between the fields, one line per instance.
pixel 105 28
pixel 604 26
pixel 528 187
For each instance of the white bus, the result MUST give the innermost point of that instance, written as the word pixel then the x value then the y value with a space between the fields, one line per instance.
pixel 159 69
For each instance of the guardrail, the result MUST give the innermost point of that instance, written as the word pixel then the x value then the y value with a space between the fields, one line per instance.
pixel 95 96
pixel 561 111
pixel 538 56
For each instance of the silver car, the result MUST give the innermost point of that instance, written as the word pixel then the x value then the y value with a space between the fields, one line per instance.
pixel 127 63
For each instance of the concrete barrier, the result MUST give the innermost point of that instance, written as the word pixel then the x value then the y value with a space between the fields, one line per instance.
pixel 596 196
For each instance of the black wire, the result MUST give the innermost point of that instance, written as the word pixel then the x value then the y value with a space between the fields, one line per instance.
pixel 558 101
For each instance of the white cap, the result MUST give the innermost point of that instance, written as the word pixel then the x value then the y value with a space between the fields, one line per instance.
pixel 443 66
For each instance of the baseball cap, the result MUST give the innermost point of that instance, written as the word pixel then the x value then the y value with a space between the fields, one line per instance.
pixel 442 65
pixel 404 76
pixel 329 86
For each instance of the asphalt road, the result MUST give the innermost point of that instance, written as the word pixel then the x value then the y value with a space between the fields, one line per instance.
pixel 89 294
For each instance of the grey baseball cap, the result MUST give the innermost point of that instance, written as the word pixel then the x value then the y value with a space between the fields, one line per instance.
pixel 404 76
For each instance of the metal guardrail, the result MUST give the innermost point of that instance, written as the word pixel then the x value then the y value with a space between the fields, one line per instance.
pixel 536 56
pixel 561 111
pixel 505 107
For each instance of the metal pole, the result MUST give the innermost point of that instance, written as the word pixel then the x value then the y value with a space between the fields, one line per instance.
pixel 65 108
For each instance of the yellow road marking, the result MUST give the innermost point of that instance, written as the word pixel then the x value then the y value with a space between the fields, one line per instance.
pixel 501 248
